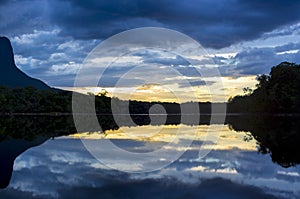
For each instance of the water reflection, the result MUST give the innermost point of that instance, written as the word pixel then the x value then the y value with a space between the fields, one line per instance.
pixel 277 136
pixel 227 138
pixel 17 134
pixel 63 168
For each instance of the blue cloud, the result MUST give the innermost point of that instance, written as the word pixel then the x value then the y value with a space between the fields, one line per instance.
pixel 214 24
pixel 260 60
pixel 196 83
pixel 49 173
pixel 41 31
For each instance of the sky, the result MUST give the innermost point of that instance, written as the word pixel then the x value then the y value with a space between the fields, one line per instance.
pixel 51 39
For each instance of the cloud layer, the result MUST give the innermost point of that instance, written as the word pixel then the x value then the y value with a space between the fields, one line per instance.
pixel 215 24
pixel 64 169
pixel 52 38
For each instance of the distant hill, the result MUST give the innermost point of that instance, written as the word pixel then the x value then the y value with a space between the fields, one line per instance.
pixel 10 75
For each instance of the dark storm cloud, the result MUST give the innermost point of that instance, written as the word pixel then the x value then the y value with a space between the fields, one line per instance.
pixel 289 30
pixel 215 24
pixel 21 17
pixel 195 83
pixel 255 61
pixel 176 61
pixel 3 2
pixel 287 47
pixel 107 81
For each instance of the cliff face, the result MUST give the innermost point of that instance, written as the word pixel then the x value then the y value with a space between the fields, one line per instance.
pixel 10 75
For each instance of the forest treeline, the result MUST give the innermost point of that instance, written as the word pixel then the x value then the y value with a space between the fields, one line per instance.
pixel 278 92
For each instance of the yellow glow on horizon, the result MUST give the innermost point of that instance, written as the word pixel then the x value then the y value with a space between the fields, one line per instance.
pixel 226 139
pixel 218 91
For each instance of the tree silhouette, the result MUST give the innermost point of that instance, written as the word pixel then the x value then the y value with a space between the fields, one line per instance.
pixel 278 92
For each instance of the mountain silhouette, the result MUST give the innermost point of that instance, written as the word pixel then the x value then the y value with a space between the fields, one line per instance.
pixel 10 75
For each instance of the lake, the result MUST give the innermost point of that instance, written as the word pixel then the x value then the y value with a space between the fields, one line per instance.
pixel 245 157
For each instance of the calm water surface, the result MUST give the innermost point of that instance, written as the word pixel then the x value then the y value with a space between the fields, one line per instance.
pixel 241 164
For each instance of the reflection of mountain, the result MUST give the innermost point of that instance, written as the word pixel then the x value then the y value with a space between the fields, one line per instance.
pixel 9 151
pixel 275 135
pixel 10 75
pixel 19 134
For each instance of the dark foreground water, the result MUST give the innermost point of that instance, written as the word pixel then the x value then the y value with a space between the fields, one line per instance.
pixel 44 157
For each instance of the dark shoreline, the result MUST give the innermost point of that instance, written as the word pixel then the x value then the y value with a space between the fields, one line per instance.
pixel 146 114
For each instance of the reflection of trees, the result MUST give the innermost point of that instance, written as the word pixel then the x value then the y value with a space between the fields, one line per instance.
pixel 276 135
pixel 19 133
pixel 30 127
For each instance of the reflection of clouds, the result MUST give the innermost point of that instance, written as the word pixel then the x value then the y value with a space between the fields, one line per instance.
pixel 227 139
pixel 63 167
